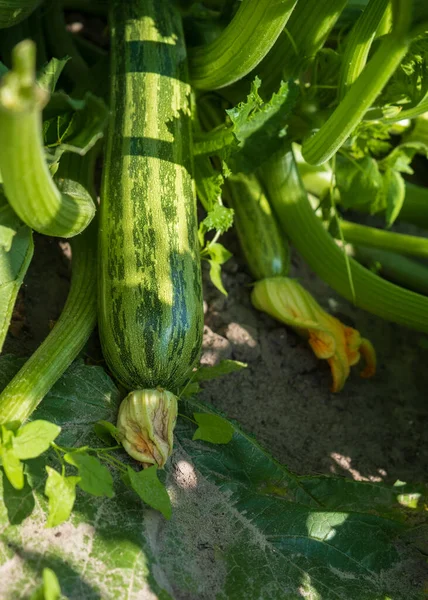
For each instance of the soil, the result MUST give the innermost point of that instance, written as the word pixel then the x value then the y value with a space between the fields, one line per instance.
pixel 372 430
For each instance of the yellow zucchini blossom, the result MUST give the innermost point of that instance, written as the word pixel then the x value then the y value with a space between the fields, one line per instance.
pixel 286 300
pixel 146 424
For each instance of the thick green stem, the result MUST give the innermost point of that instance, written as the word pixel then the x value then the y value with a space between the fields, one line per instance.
pixel 361 95
pixel 26 390
pixel 359 43
pixel 385 240
pixel 241 46
pixel 395 267
pixel 299 222
pixel 61 211
pixel 305 33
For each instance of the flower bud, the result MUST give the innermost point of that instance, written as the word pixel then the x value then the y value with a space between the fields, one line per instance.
pixel 146 423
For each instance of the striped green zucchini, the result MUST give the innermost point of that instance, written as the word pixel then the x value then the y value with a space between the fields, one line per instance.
pixel 150 300
pixel 264 247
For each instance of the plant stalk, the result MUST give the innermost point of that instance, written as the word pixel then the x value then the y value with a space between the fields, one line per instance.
pixel 385 240
pixel 299 222
pixel 62 211
pixel 241 46
pixel 29 386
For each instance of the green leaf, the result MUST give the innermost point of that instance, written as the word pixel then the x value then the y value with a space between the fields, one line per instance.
pixel 61 492
pixel 260 127
pixel 209 183
pixel 83 396
pixel 401 157
pixel 219 218
pixel 34 438
pixel 19 504
pixel 218 253
pixel 395 192
pixel 212 428
pixel 261 532
pixel 13 467
pixel 76 129
pixel 223 368
pixel 215 276
pixel 107 432
pixel 16 251
pixel 50 72
pixel 360 183
pixel 94 477
pixel 151 490
pixel 50 588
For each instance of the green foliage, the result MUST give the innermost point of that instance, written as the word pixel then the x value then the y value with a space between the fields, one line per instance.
pixel 34 438
pixel 224 367
pixel 233 498
pixel 73 125
pixel 50 588
pixel 94 477
pixel 150 489
pixel 212 428
pixel 216 255
pixel 260 127
pixel 50 73
pixel 219 218
pixel 376 181
pixel 16 251
pixel 61 491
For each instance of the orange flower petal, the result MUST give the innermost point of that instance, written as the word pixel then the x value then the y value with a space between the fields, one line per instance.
pixel 340 373
pixel 322 343
pixel 369 354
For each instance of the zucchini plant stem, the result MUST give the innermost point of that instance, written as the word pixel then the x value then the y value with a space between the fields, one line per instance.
pixel 62 345
pixel 359 43
pixel 305 33
pixel 397 268
pixel 241 46
pixel 306 231
pixel 363 92
pixel 385 240
pixel 62 211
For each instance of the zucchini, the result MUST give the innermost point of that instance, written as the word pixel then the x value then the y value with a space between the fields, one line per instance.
pixel 264 247
pixel 150 294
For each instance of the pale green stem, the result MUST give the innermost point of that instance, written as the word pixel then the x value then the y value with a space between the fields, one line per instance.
pixel 395 267
pixel 27 181
pixel 29 386
pixel 306 32
pixel 241 46
pixel 306 232
pixel 385 240
pixel 359 42
pixel 359 98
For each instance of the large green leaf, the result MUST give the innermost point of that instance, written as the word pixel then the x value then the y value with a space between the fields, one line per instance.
pixel 242 526
pixel 16 251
